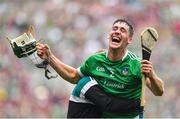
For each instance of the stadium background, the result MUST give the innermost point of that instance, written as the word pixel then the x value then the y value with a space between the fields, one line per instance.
pixel 74 29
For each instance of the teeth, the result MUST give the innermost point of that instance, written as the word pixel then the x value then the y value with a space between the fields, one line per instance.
pixel 116 38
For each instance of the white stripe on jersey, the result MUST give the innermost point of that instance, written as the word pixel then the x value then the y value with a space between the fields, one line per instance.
pixel 125 55
pixel 79 71
pixel 87 86
pixel 79 100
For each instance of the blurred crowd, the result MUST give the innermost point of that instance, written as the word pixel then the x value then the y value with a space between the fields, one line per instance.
pixel 74 29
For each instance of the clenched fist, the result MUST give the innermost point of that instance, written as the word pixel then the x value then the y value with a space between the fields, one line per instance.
pixel 147 68
pixel 43 51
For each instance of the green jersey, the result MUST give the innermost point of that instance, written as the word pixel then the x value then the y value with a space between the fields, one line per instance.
pixel 119 78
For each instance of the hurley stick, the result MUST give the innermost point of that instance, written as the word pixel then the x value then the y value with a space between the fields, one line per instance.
pixel 148 39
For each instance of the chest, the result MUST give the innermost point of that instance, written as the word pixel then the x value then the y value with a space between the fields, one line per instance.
pixel 119 72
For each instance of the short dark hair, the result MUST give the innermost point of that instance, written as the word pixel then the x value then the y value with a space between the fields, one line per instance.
pixel 131 30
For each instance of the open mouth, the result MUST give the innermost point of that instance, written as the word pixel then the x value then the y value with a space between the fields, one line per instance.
pixel 116 39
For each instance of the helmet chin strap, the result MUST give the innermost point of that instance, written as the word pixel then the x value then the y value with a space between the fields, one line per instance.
pixel 48 72
pixel 43 65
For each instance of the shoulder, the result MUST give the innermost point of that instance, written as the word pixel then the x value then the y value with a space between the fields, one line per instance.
pixel 133 57
pixel 99 54
pixel 134 61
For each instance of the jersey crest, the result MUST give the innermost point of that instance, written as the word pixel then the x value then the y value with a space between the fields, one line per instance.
pixel 125 71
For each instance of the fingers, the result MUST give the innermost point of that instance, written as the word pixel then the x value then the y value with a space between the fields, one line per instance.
pixel 46 46
pixel 40 45
pixel 42 50
pixel 39 48
pixel 146 67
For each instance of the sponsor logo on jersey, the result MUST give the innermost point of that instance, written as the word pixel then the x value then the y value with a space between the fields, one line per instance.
pixel 114 85
pixel 125 71
pixel 99 68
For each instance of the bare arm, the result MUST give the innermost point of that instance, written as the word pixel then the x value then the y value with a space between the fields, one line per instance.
pixel 67 72
pixel 153 82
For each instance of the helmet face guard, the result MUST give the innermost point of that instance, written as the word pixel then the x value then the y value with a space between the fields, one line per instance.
pixel 25 46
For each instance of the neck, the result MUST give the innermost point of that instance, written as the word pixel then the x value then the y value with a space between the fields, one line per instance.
pixel 115 55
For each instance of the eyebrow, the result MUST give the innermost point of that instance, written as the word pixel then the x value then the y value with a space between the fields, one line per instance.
pixel 120 27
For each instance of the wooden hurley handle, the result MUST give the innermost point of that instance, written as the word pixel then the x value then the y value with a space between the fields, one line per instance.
pixel 143 90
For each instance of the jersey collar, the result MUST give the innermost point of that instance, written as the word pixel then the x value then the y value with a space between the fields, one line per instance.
pixel 123 56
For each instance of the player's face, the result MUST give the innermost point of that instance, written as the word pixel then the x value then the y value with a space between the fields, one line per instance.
pixel 119 36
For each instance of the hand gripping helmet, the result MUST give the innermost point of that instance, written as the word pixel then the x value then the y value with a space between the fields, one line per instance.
pixel 25 46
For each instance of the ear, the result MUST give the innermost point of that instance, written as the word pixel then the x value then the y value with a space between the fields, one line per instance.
pixel 129 40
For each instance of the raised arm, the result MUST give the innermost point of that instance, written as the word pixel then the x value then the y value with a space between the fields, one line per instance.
pixel 67 72
pixel 153 82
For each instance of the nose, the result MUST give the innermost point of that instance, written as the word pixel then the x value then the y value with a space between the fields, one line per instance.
pixel 117 32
